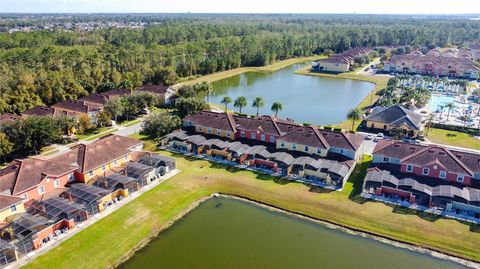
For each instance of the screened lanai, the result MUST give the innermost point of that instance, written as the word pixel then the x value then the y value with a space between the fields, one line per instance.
pixel 142 173
pixel 157 161
pixel 58 208
pixel 117 181
pixel 22 232
pixel 7 253
pixel 87 195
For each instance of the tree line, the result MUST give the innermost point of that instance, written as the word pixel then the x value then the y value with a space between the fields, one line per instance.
pixel 44 67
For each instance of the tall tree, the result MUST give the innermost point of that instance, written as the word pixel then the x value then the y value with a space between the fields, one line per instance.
pixel 277 106
pixel 354 115
pixel 258 103
pixel 226 100
pixel 450 106
pixel 240 102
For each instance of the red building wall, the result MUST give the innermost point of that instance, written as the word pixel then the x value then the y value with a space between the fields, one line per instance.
pixel 48 185
pixel 258 135
pixel 435 173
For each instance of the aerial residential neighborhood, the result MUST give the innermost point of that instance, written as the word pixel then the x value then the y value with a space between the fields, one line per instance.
pixel 222 135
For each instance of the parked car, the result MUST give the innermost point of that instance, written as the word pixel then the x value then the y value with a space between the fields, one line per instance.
pixel 380 136
pixel 369 137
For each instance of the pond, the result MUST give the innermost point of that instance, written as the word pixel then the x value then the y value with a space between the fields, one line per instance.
pixel 229 233
pixel 306 99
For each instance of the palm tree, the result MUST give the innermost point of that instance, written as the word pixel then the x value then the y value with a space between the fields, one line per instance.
pixel 450 106
pixel 277 106
pixel 240 102
pixel 226 100
pixel 354 114
pixel 258 103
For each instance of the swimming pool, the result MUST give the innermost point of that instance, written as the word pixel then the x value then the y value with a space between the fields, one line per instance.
pixel 439 100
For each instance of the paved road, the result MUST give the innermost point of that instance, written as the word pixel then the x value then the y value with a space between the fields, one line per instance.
pixel 129 130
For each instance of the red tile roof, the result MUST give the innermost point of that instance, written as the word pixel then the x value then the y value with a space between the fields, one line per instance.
pixel 79 106
pixel 309 136
pixel 221 121
pixel 89 156
pixel 8 201
pixel 39 111
pixel 28 173
pixel 266 124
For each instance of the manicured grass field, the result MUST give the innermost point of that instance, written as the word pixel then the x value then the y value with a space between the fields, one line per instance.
pixel 379 81
pixel 269 68
pixel 453 138
pixel 102 244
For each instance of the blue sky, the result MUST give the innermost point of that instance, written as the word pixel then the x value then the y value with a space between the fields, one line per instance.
pixel 244 6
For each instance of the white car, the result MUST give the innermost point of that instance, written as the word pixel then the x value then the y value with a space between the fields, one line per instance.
pixel 369 137
pixel 380 136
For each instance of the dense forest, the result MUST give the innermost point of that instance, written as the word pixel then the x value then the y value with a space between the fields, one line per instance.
pixel 47 66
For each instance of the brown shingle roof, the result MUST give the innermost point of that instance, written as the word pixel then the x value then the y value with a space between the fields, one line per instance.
pixel 342 140
pixel 77 106
pixel 8 117
pixel 95 98
pixel 98 153
pixel 30 172
pixel 395 149
pixel 222 121
pixel 309 136
pixel 264 123
pixel 155 89
pixel 8 201
pixel 39 111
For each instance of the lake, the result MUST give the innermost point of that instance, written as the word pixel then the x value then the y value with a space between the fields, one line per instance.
pixel 229 233
pixel 306 99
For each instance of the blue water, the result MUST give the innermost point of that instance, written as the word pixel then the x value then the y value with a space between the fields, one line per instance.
pixel 437 101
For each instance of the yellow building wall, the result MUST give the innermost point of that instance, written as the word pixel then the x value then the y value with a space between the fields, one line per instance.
pixel 379 125
pixel 109 198
pixel 108 166
pixel 214 131
pixel 7 212
pixel 301 148
pixel 340 67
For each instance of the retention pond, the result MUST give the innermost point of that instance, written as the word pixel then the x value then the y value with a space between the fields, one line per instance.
pixel 306 99
pixel 231 233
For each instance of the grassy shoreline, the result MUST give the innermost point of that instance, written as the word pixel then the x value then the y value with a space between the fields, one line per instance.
pixel 268 68
pixel 108 240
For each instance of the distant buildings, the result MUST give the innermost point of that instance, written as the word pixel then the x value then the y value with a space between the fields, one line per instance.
pixel 437 62
pixel 341 62
pixel 395 117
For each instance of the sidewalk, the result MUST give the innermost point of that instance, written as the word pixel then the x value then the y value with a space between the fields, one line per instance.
pixel 81 226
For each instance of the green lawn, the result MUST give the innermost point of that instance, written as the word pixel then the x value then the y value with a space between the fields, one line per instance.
pixel 453 138
pixel 105 242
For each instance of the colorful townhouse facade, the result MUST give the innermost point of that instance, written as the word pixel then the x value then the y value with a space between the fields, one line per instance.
pixel 282 134
pixel 341 62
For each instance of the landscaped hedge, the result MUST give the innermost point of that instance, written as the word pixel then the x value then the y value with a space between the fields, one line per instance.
pixel 468 130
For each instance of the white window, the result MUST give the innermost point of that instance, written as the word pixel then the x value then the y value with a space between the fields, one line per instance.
pixel 13 208
pixel 114 162
pixel 409 168
pixel 104 168
pixel 242 134
pixel 443 174
pixel 41 190
pixel 294 146
pixel 90 173
pixel 262 137
pixel 56 183
pixel 386 159
pixel 219 132
pixel 228 134
pixel 253 136
pixel 426 171
pixel 282 144
pixel 125 158
pixel 272 139
pixel 460 177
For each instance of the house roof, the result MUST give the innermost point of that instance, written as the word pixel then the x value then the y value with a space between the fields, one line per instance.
pixel 437 155
pixel 7 201
pixel 155 89
pixel 106 149
pixel 30 172
pixel 342 140
pixel 115 93
pixel 79 106
pixel 8 117
pixel 309 136
pixel 95 98
pixel 397 115
pixel 265 124
pixel 395 149
pixel 222 121
pixel 39 111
